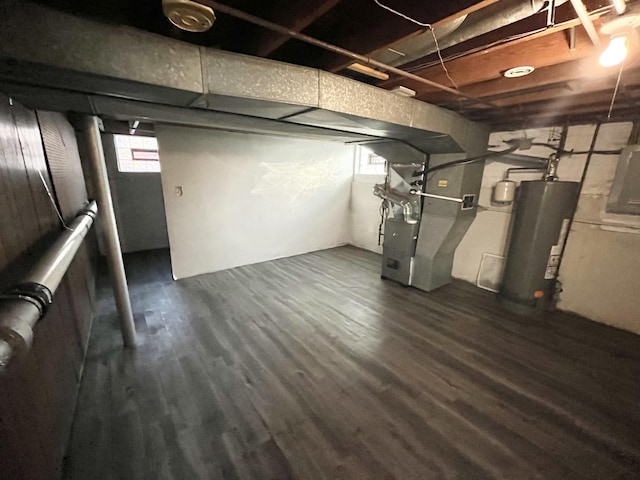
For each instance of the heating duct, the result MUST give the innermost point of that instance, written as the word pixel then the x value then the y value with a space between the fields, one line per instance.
pixel 488 19
pixel 146 77
pixel 22 305
pixel 141 76
pixel 404 201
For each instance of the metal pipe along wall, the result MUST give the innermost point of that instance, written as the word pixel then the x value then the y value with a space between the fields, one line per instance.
pixel 24 304
pixel 96 160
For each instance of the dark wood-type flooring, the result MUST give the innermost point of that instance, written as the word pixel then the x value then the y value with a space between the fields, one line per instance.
pixel 312 367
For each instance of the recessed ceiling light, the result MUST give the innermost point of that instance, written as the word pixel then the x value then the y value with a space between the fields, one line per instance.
pixel 521 71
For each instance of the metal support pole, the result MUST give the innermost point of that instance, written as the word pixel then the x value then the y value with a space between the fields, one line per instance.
pixel 96 160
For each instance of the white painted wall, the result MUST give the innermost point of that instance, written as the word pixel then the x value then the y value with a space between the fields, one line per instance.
pixel 138 205
pixel 365 212
pixel 251 198
pixel 600 271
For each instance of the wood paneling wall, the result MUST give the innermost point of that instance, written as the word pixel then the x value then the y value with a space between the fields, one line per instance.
pixel 60 145
pixel 37 399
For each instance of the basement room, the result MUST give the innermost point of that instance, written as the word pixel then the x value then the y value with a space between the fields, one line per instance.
pixel 319 239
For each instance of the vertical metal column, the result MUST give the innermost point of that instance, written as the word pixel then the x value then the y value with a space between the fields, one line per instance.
pixel 107 218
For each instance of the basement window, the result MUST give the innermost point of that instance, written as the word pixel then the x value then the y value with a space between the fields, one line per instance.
pixel 368 163
pixel 137 154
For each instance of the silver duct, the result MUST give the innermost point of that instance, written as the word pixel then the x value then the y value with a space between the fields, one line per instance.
pixel 410 208
pixel 496 15
pixel 149 81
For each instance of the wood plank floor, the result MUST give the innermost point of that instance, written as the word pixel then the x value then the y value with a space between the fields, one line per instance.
pixel 312 367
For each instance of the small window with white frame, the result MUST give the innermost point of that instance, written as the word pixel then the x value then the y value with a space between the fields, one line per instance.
pixel 137 154
pixel 368 163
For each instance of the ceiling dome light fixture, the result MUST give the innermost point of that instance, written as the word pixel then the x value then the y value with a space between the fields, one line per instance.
pixel 521 71
pixel 188 15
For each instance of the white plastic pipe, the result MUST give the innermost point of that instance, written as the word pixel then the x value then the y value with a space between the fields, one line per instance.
pixel 24 304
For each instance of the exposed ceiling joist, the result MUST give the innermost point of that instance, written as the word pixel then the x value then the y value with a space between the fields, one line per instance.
pixel 328 46
pixel 296 16
pixel 574 106
pixel 564 72
pixel 491 64
pixel 568 90
pixel 476 62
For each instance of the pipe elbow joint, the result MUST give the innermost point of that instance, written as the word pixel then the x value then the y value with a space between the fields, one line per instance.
pixel 16 331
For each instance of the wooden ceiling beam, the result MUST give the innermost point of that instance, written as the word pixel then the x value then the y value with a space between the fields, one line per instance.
pixel 295 16
pixel 571 89
pixel 576 104
pixel 550 91
pixel 565 72
pixel 502 124
pixel 484 66
pixel 589 104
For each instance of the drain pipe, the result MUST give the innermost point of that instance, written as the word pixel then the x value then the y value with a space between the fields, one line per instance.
pixel 98 166
pixel 22 305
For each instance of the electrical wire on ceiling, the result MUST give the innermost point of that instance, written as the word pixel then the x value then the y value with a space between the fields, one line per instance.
pixel 615 90
pixel 433 34
pixel 518 36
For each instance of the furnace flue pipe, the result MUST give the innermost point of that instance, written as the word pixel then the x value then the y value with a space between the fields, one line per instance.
pixel 22 305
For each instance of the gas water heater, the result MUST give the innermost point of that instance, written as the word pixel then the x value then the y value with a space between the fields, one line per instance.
pixel 542 218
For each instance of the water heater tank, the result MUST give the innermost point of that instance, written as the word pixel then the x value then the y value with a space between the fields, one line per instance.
pixel 542 217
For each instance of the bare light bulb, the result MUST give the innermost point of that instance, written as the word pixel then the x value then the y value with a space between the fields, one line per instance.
pixel 616 52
